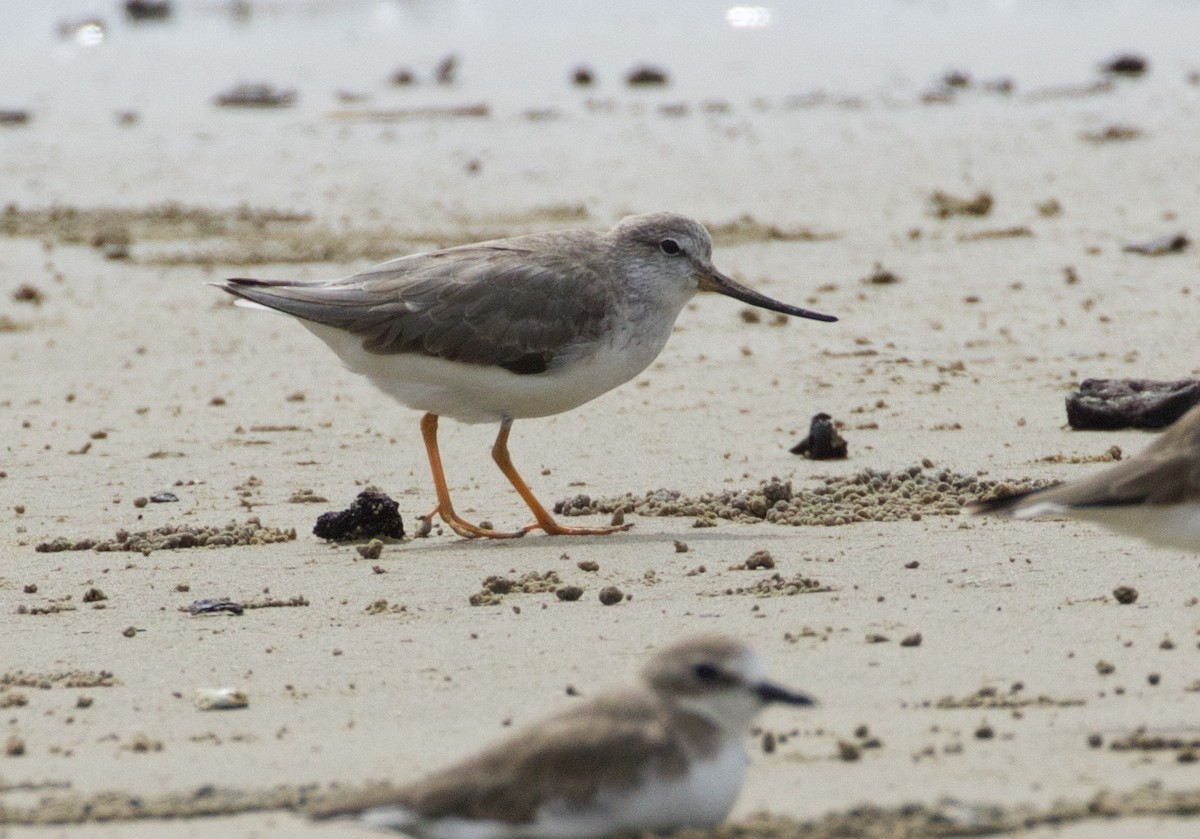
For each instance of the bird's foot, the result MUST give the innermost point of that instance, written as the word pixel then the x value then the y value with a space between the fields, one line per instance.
pixel 467 530
pixel 553 528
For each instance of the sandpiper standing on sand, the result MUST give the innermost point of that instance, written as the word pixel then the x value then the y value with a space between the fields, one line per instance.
pixel 513 328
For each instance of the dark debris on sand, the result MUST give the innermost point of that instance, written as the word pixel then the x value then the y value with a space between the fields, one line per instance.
pixel 372 515
pixel 823 441
pixel 1112 404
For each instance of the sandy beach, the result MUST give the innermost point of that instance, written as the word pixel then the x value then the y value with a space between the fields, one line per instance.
pixel 973 673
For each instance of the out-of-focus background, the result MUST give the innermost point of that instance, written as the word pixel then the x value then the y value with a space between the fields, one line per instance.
pixel 117 102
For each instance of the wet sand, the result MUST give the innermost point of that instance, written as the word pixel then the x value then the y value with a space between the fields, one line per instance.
pixel 1022 684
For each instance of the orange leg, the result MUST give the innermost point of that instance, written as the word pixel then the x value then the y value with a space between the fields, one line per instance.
pixel 444 508
pixel 542 516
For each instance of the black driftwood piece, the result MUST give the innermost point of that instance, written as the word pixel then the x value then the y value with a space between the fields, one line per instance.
pixel 1110 404
pixel 373 514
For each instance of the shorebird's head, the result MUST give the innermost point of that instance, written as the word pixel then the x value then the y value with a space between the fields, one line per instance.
pixel 718 678
pixel 678 250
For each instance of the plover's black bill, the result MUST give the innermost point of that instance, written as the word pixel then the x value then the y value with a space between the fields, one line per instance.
pixel 768 692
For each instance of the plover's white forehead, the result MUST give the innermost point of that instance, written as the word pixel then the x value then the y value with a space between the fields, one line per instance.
pixel 703 664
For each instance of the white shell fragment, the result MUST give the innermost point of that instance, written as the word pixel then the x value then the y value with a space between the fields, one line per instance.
pixel 220 699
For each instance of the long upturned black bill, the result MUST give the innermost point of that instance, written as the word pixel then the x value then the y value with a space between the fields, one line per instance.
pixel 768 692
pixel 714 280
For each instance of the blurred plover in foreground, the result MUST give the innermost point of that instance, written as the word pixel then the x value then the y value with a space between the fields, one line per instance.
pixel 665 754
pixel 513 328
pixel 1154 495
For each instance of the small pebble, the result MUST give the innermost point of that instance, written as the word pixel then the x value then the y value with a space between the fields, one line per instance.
pixel 611 595
pixel 1125 594
pixel 371 550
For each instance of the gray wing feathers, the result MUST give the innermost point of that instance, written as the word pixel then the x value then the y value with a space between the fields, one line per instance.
pixel 484 304
pixel 569 758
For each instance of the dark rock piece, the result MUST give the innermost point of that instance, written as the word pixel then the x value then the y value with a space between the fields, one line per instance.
pixel 213 605
pixel 14 116
pixel 823 441
pixel 1159 245
pixel 945 205
pixel 1111 404
pixel 646 76
pixel 956 78
pixel 256 96
pixel 447 70
pixel 373 514
pixel 404 77
pixel 1126 64
pixel 582 76
pixel 1125 595
pixel 611 595
pixel 1114 133
pixel 26 293
pixel 148 9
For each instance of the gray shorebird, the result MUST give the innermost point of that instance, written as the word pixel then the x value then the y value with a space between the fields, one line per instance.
pixel 1154 495
pixel 664 754
pixel 512 328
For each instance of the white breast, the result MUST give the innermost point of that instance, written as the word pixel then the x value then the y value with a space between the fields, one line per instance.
pixel 481 393
pixel 702 798
pixel 1166 525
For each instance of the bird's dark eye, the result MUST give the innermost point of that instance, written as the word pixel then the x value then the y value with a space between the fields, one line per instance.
pixel 706 672
pixel 670 247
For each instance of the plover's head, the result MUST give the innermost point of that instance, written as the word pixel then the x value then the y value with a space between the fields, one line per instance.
pixel 672 253
pixel 718 678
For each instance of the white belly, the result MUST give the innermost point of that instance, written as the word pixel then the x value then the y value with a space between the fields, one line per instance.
pixel 702 798
pixel 481 393
pixel 1165 525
